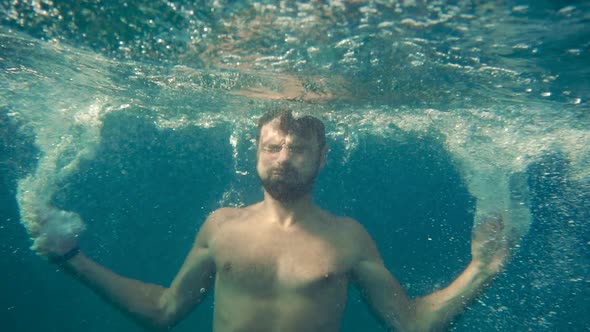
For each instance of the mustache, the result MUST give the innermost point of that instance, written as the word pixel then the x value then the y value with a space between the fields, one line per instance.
pixel 284 169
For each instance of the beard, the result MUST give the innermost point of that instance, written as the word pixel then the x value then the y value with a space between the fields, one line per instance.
pixel 290 186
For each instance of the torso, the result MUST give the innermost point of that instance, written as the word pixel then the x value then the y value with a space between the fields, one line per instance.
pixel 271 278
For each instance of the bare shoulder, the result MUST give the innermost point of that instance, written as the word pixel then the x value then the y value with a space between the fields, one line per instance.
pixel 346 228
pixel 216 220
pixel 351 228
pixel 224 214
pixel 360 241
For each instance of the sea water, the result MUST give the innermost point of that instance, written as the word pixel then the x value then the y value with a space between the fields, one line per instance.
pixel 133 120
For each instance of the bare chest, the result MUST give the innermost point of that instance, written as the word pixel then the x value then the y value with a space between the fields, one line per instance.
pixel 266 262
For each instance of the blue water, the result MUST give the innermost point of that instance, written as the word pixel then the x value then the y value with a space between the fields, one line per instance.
pixel 139 116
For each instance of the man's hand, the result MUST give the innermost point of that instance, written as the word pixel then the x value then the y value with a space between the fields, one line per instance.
pixel 57 233
pixel 489 244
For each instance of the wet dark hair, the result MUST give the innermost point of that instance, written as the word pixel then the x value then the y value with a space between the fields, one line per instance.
pixel 305 126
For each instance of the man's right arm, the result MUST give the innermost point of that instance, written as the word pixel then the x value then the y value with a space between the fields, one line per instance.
pixel 150 305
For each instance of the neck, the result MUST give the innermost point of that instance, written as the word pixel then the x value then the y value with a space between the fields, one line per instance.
pixel 288 213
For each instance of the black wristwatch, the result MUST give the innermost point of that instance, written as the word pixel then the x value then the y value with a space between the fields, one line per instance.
pixel 66 257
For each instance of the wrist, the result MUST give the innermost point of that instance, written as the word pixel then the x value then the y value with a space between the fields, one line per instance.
pixel 481 271
pixel 62 259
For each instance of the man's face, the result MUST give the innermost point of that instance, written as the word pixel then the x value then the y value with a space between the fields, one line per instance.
pixel 287 164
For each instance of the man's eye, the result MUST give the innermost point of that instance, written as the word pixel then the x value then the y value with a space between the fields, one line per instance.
pixel 296 148
pixel 273 149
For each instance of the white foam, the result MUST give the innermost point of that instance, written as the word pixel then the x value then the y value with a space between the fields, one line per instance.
pixel 65 138
pixel 491 148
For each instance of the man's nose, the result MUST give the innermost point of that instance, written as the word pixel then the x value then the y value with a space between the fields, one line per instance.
pixel 284 155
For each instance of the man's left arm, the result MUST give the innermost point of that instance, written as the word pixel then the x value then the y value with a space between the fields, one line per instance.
pixel 435 311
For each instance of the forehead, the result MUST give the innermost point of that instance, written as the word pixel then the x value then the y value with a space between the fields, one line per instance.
pixel 271 133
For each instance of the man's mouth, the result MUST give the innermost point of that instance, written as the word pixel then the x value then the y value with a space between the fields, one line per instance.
pixel 282 172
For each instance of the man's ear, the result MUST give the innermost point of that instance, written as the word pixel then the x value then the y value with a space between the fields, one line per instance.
pixel 323 156
pixel 257 146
